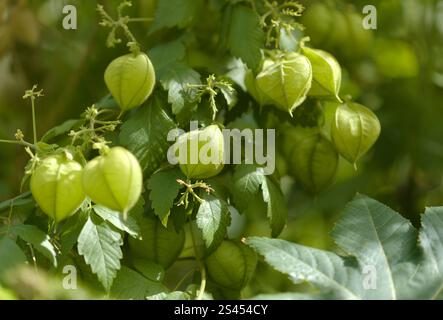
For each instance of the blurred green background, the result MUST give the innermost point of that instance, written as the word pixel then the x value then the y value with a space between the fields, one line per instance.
pixel 396 70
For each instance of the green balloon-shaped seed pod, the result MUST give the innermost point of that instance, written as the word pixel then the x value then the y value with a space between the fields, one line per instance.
pixel 354 130
pixel 313 160
pixel 114 179
pixel 56 185
pixel 231 265
pixel 326 71
pixel 285 81
pixel 339 31
pixel 200 152
pixel 251 86
pixel 159 244
pixel 360 39
pixel 130 79
pixel 318 20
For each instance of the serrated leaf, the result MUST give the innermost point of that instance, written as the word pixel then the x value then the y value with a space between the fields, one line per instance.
pixel 428 277
pixel 176 80
pixel 164 189
pixel 145 134
pixel 378 237
pixel 229 93
pixel 175 295
pixel 165 55
pixel 100 245
pixel 130 285
pixel 175 13
pixel 64 128
pixel 277 211
pixel 38 239
pixel 381 246
pixel 290 296
pixel 213 218
pixel 129 225
pixel 10 255
pixel 241 21
pixel 248 179
pixel 324 269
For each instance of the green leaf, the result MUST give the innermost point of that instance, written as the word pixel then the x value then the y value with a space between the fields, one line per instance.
pixel 229 93
pixel 100 245
pixel 377 236
pixel 10 255
pixel 242 21
pixel 130 285
pixel 167 54
pixel 431 243
pixel 277 211
pixel 213 218
pixel 175 295
pixel 164 189
pixel 20 200
pixel 145 134
pixel 175 81
pixel 64 128
pixel 149 269
pixel 71 230
pixel 290 296
pixel 129 225
pixel 383 258
pixel 38 239
pixel 247 182
pixel 175 13
pixel 325 270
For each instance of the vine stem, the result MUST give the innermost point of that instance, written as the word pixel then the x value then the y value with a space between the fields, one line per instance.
pixel 34 123
pixel 34 260
pixel 200 266
pixel 140 19
pixel 21 143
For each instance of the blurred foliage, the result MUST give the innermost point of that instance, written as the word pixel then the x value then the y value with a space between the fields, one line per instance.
pixel 396 70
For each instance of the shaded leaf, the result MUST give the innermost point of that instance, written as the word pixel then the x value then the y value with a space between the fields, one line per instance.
pixel 241 21
pixel 10 255
pixel 145 134
pixel 165 55
pixel 384 260
pixel 38 239
pixel 175 13
pixel 176 80
pixel 164 189
pixel 130 285
pixel 248 179
pixel 324 269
